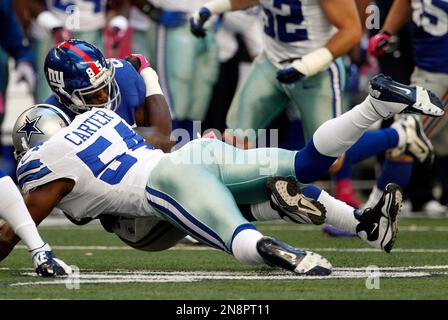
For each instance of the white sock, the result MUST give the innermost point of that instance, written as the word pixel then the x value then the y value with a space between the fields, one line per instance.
pixel 339 214
pixel 402 137
pixel 337 135
pixel 244 247
pixel 263 212
pixel 374 197
pixel 13 210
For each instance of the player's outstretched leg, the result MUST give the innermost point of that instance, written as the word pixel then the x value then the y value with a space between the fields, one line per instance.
pixel 377 226
pixel 278 253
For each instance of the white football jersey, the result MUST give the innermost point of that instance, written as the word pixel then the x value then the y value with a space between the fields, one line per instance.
pixel 108 161
pixel 293 29
pixel 79 15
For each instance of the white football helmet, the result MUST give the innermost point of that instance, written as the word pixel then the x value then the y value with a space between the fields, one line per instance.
pixel 36 125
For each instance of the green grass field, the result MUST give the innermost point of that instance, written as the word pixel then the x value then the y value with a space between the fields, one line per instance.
pixel 416 269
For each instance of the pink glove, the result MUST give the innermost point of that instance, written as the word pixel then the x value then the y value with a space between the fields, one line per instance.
pixel 60 35
pixel 378 44
pixel 210 135
pixel 142 61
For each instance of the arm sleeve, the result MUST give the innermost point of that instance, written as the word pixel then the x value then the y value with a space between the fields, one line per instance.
pixel 32 172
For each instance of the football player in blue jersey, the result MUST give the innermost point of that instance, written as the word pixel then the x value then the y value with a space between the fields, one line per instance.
pixel 430 44
pixel 99 165
pixel 14 211
pixel 82 78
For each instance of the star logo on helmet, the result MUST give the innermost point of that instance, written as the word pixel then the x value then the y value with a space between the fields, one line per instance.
pixel 30 127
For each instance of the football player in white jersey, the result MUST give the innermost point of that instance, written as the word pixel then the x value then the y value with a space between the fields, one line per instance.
pixel 301 63
pixel 13 210
pixel 98 165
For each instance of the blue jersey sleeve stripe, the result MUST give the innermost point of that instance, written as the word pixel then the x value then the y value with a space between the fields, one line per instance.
pixel 35 176
pixel 31 165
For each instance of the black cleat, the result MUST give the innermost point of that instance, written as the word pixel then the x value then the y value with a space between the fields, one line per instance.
pixel 378 225
pixel 291 204
pixel 390 97
pixel 278 253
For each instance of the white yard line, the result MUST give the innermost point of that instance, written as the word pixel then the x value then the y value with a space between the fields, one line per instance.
pixel 204 248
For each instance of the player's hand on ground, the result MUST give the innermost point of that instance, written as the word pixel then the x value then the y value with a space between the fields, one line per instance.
pixel 289 75
pixel 379 43
pixel 198 20
pixel 47 265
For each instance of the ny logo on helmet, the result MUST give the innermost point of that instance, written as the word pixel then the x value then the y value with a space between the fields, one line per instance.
pixel 56 77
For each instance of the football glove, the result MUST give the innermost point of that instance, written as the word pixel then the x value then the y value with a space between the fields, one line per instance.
pixel 47 265
pixel 379 43
pixel 198 20
pixel 25 72
pixel 289 75
pixel 138 61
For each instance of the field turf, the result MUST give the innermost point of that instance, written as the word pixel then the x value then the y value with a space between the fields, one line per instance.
pixel 108 269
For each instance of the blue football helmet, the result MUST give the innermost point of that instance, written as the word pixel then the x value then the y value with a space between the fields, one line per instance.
pixel 81 77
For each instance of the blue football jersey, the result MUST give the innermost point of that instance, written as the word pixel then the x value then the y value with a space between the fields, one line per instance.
pixel 132 89
pixel 430 36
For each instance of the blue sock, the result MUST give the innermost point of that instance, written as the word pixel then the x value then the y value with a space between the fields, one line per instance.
pixel 398 172
pixel 370 144
pixel 310 165
pixel 311 191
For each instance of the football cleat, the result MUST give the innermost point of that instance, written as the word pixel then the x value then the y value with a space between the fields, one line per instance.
pixel 293 206
pixel 390 97
pixel 47 265
pixel 278 253
pixel 417 143
pixel 378 225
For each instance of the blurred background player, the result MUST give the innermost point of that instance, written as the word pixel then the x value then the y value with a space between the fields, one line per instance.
pixel 188 67
pixel 54 21
pixel 302 65
pixel 14 211
pixel 13 43
pixel 429 42
pixel 299 63
pixel 240 40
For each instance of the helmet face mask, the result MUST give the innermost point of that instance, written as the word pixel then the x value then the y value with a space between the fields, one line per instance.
pixel 79 75
pixel 105 82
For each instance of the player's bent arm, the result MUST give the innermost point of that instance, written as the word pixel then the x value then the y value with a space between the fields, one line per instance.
pixel 343 14
pixel 155 113
pixel 399 14
pixel 40 202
